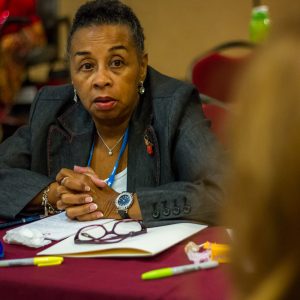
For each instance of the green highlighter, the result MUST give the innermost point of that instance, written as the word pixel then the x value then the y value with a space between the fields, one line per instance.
pixel 166 272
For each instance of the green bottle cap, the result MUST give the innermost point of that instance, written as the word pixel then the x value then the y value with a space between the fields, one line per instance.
pixel 259 24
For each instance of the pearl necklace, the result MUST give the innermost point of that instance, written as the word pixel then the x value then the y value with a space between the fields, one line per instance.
pixel 110 150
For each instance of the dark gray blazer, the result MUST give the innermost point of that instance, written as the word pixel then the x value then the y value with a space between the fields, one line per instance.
pixel 181 181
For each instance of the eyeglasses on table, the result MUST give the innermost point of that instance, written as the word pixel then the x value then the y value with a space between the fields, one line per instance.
pixel 102 234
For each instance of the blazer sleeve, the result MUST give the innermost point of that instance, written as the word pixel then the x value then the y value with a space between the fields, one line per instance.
pixel 197 161
pixel 18 183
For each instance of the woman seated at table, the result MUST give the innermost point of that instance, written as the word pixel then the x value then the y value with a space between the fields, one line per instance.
pixel 121 126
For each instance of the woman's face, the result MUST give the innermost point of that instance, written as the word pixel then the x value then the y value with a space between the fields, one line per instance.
pixel 106 70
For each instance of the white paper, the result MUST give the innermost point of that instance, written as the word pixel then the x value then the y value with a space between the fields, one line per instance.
pixel 59 226
pixel 156 240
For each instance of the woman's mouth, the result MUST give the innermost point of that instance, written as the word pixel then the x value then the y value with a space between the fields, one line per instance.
pixel 105 103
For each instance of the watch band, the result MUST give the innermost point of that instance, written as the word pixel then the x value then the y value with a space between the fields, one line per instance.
pixel 123 213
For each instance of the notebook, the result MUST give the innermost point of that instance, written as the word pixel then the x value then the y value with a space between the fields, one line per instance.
pixel 156 240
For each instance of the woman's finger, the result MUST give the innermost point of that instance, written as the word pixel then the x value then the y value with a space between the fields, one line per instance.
pixel 74 212
pixel 60 205
pixel 63 180
pixel 73 180
pixel 75 199
pixel 60 190
pixel 84 170
pixel 77 184
pixel 64 172
pixel 91 216
pixel 98 182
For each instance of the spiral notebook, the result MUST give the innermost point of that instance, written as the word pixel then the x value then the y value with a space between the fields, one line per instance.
pixel 156 240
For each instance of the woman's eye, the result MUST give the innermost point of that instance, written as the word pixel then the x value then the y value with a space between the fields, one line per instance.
pixel 117 63
pixel 86 66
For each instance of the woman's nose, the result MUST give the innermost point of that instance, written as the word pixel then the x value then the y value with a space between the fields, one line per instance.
pixel 102 78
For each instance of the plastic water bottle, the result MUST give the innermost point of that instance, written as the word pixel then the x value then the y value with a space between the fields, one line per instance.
pixel 259 24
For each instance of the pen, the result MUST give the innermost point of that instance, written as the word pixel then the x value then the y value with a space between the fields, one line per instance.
pixel 20 221
pixel 166 272
pixel 34 261
pixel 1 250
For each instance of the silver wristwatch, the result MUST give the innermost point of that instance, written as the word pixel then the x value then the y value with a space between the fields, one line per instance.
pixel 123 202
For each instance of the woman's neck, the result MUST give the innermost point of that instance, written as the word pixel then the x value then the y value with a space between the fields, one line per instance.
pixel 111 130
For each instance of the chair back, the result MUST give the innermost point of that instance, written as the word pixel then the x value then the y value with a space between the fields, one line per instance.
pixel 215 72
pixel 3 17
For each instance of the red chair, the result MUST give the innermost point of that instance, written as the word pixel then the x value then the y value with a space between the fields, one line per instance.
pixel 215 73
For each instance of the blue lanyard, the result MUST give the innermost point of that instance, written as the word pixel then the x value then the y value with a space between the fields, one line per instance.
pixel 111 177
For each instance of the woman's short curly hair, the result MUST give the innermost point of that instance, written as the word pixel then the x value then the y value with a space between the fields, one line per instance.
pixel 107 12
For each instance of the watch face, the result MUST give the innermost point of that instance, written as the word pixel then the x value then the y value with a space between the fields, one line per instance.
pixel 124 201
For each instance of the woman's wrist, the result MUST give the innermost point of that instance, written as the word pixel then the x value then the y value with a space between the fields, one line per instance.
pixel 48 202
pixel 36 203
pixel 134 211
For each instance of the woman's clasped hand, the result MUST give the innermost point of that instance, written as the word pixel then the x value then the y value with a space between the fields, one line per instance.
pixel 83 195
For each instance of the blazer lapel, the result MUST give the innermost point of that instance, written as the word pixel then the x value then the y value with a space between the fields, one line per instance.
pixel 143 168
pixel 70 140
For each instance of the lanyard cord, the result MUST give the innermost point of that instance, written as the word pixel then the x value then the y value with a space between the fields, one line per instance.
pixel 111 177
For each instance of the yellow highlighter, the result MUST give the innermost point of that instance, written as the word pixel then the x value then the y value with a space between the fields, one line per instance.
pixel 219 252
pixel 43 261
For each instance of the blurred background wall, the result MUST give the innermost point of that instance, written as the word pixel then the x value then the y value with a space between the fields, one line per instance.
pixel 177 31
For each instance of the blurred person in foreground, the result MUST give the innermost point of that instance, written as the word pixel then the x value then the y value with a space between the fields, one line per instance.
pixel 264 191
pixel 121 141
